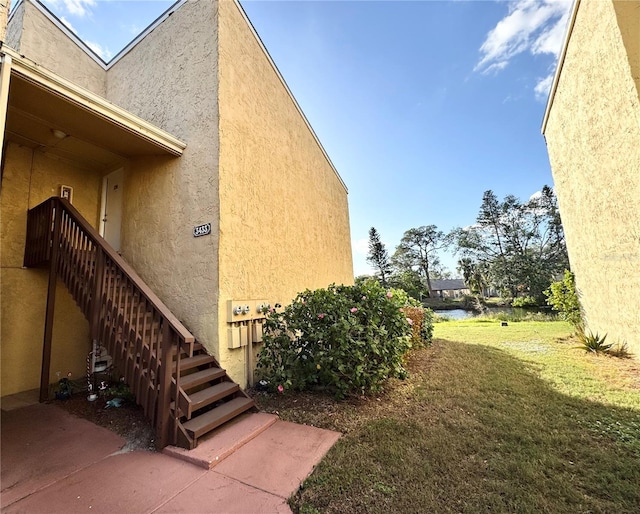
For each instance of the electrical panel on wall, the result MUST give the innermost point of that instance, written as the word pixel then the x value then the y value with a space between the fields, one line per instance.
pixel 245 310
pixel 246 321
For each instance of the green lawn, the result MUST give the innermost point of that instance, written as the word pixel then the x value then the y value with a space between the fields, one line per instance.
pixel 492 419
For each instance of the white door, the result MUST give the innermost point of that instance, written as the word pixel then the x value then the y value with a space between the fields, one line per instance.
pixel 112 208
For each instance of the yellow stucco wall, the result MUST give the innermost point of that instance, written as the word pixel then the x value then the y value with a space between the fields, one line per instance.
pixel 593 138
pixel 284 220
pixel 169 79
pixel 252 168
pixel 28 179
pixel 14 29
pixel 43 42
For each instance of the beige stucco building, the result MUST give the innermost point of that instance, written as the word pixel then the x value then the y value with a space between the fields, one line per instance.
pixel 592 129
pixel 189 126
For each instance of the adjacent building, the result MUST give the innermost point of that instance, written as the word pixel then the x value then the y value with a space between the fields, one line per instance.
pixel 592 130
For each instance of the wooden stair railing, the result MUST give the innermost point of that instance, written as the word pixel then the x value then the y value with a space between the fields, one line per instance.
pixel 185 399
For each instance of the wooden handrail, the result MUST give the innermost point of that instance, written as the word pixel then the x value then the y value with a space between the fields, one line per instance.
pixel 125 316
pixel 98 240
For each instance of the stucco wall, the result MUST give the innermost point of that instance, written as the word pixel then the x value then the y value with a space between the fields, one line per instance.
pixel 28 179
pixel 14 29
pixel 593 138
pixel 284 220
pixel 169 78
pixel 43 42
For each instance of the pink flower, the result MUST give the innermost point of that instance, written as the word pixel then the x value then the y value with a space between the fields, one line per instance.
pixel 320 316
pixel 410 321
pixel 280 389
pixel 354 310
pixel 364 297
pixel 389 294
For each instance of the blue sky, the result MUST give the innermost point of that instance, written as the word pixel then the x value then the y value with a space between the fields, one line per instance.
pixel 421 105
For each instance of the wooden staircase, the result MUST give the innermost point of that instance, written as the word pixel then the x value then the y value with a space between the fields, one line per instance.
pixel 207 397
pixel 183 391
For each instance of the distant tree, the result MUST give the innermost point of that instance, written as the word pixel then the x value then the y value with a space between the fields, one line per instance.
pixel 473 274
pixel 520 245
pixel 418 251
pixel 439 272
pixel 465 266
pixel 378 257
pixel 410 281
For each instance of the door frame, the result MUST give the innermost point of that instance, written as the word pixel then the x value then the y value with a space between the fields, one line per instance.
pixel 103 200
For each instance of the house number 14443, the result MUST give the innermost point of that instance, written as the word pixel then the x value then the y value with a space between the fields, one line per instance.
pixel 202 230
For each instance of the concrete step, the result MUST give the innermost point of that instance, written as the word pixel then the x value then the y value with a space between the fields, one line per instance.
pixel 217 445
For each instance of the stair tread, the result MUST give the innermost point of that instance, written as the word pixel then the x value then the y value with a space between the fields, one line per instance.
pixel 202 424
pixel 194 362
pixel 200 377
pixel 212 394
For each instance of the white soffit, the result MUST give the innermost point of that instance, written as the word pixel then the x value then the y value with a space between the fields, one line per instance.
pixel 96 105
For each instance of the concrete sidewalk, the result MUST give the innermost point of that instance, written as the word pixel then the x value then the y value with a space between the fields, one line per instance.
pixel 54 462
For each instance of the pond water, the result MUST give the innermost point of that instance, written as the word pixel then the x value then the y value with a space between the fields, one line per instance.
pixel 456 313
pixel 463 314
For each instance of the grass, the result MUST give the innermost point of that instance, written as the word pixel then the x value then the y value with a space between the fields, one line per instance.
pixel 492 418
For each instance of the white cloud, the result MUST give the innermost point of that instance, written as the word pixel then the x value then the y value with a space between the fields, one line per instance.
pixel 550 41
pixel 535 196
pixel 134 29
pixel 534 26
pixel 104 53
pixel 543 86
pixel 78 8
pixel 67 24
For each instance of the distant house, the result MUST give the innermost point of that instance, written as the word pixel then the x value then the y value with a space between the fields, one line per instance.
pixel 449 288
pixel 592 129
pixel 171 195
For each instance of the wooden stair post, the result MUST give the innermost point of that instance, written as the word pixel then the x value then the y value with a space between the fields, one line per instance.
pixel 45 370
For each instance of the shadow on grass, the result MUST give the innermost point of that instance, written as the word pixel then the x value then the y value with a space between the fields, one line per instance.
pixel 474 429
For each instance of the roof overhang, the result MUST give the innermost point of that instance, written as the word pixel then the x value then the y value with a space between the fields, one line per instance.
pixel 40 102
pixel 563 54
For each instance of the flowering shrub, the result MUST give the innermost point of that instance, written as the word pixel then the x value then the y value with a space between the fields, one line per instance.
pixel 347 339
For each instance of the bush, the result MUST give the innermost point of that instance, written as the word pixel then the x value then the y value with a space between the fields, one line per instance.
pixel 592 343
pixel 421 326
pixel 563 297
pixel 524 302
pixel 346 339
pixel 620 350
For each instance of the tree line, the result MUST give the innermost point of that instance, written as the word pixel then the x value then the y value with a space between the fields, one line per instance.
pixel 517 248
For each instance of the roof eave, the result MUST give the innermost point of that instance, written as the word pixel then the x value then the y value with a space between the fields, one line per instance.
pixel 563 53
pixel 96 104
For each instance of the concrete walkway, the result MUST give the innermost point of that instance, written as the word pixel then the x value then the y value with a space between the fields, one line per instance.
pixel 54 462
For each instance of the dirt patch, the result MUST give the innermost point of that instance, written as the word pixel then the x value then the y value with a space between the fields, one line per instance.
pixel 128 420
pixel 322 410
